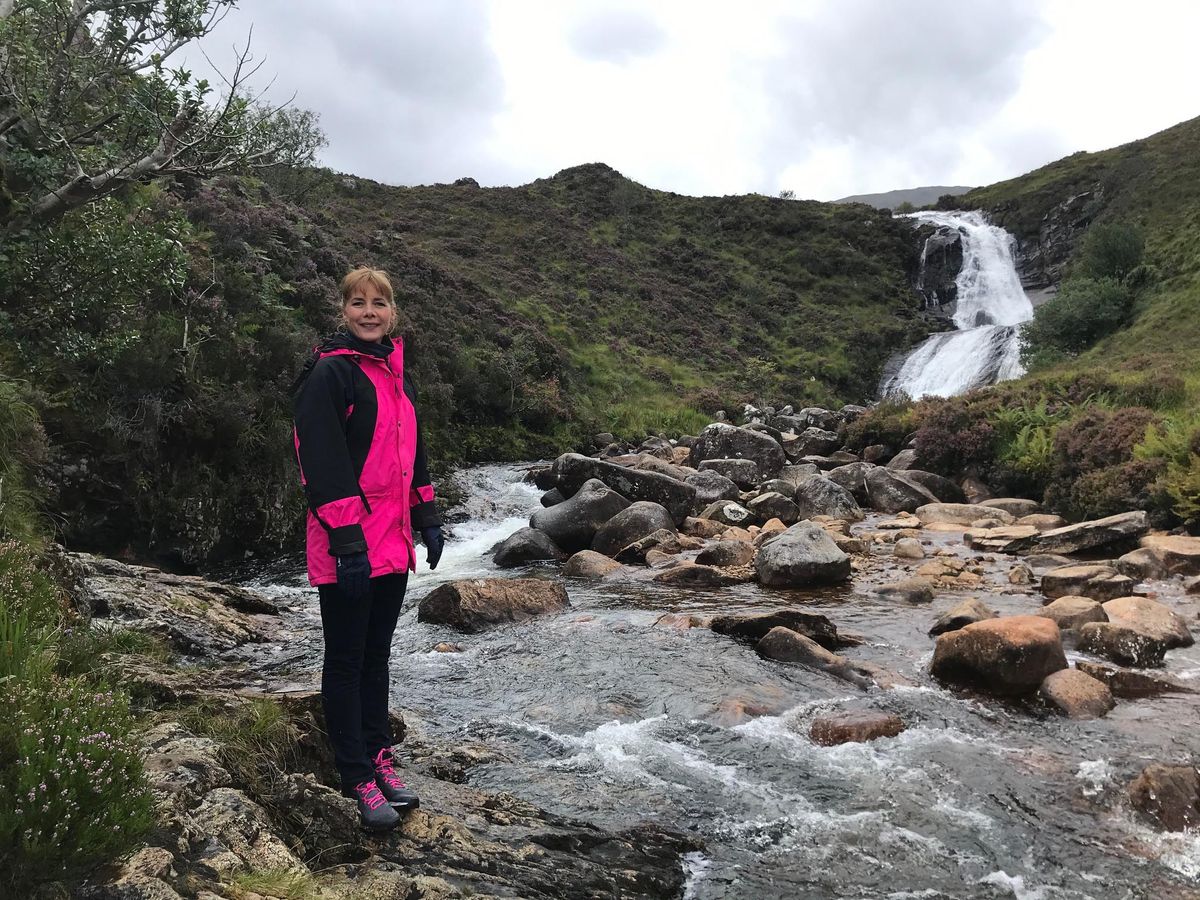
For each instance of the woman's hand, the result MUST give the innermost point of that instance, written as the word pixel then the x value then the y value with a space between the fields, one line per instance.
pixel 434 543
pixel 354 576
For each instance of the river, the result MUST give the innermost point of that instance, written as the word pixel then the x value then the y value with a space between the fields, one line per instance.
pixel 601 715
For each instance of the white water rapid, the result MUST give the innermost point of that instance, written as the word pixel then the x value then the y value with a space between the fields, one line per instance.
pixel 986 346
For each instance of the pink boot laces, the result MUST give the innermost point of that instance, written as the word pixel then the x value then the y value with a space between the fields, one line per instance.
pixel 384 769
pixel 369 792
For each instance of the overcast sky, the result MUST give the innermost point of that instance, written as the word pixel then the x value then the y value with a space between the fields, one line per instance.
pixel 823 97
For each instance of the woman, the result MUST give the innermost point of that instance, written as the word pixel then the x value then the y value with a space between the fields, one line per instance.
pixel 363 467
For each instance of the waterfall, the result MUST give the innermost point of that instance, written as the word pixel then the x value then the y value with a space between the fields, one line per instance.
pixel 991 306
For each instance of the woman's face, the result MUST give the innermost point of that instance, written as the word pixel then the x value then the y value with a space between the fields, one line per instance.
pixel 368 313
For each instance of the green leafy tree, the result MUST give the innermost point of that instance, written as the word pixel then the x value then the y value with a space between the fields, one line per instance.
pixel 89 103
pixel 1082 312
pixel 1111 250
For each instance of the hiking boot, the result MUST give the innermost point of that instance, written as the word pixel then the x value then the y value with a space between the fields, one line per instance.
pixel 398 794
pixel 373 809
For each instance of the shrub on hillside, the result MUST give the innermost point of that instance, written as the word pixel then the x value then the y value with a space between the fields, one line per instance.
pixel 1111 250
pixel 957 432
pixel 889 422
pixel 22 448
pixel 1082 312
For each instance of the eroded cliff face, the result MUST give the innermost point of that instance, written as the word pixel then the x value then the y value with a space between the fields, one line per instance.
pixel 1042 255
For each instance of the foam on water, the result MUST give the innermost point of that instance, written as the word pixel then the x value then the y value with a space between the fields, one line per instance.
pixel 1015 884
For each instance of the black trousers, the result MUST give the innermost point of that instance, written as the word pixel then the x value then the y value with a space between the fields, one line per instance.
pixel 355 676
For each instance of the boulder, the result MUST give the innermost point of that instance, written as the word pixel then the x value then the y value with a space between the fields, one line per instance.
pixel 876 453
pixel 816 495
pixel 819 417
pixel 974 490
pixel 996 540
pixel 1042 521
pixel 1072 613
pixel 524 546
pixel 854 727
pixel 779 486
pixel 794 475
pixel 728 513
pixel 631 524
pixel 1010 655
pixel 1095 581
pixel 1076 694
pixel 1110 532
pixel 692 575
pixel 1177 554
pixel 784 645
pixel 773 505
pixel 663 467
pixel 905 459
pixel 890 492
pixel 774 433
pixel 1192 585
pixel 1121 644
pixel 726 553
pixel 1020 574
pixel 815 442
pixel 702 528
pixel 656 446
pixel 1151 618
pixel 908 590
pixel 1014 506
pixel 938 485
pixel 803 555
pixel 1169 796
pixel 665 540
pixel 478 604
pixel 589 564
pixel 1130 684
pixel 908 548
pixel 722 441
pixel 572 524
pixel 552 497
pixel 962 514
pixel 851 411
pixel 755 626
pixel 633 484
pixel 1142 565
pixel 965 613
pixel 852 477
pixel 741 472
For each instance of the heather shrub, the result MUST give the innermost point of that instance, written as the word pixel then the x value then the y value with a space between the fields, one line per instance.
pixel 1107 491
pixel 889 422
pixel 957 432
pixel 1100 438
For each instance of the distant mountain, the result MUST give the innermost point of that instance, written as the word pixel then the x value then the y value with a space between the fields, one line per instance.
pixel 918 196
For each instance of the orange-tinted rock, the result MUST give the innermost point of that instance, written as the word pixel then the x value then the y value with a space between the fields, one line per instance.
pixel 854 727
pixel 1011 655
pixel 1077 694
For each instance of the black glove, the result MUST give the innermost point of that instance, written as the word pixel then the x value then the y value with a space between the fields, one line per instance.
pixel 354 576
pixel 434 543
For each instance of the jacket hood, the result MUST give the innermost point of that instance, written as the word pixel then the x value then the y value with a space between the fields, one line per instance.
pixel 342 340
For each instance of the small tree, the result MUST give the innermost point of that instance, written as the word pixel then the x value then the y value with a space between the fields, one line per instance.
pixel 1111 250
pixel 88 103
pixel 1082 312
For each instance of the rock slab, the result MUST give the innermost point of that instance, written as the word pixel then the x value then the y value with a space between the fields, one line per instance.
pixel 803 555
pixel 479 604
pixel 854 727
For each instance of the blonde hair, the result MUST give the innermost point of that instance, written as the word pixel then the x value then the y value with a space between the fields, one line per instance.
pixel 376 278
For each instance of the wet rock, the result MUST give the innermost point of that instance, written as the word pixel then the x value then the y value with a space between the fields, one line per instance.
pixel 479 604
pixel 1169 796
pixel 1016 507
pixel 996 540
pixel 656 559
pixel 590 564
pixel 633 484
pixel 722 441
pixel 1042 521
pixel 908 548
pixel 853 477
pixel 1130 684
pixel 1121 644
pixel 1176 554
pixel 778 485
pixel 742 472
pixel 1076 694
pixel 773 505
pixel 631 524
pixel 702 528
pixel 681 621
pixel 941 487
pixel 663 467
pixel 784 645
pixel 906 590
pixel 1192 585
pixel 1072 613
pixel 524 546
pixel 240 835
pixel 572 524
pixel 1151 618
pixel 816 495
pixel 728 513
pixel 665 541
pixel 447 647
pixel 692 575
pixel 968 612
pixel 735 533
pixel 726 553
pixel 1095 581
pixel 889 492
pixel 755 626
pixel 552 497
pixel 805 554
pixel 1142 565
pixel 711 487
pixel 1109 532
pixel 1020 574
pixel 1040 562
pixel 966 514
pixel 905 459
pixel 195 616
pixel 974 490
pixel 1010 655
pixel 854 727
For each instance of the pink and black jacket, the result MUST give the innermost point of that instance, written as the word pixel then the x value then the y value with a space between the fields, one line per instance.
pixel 362 461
